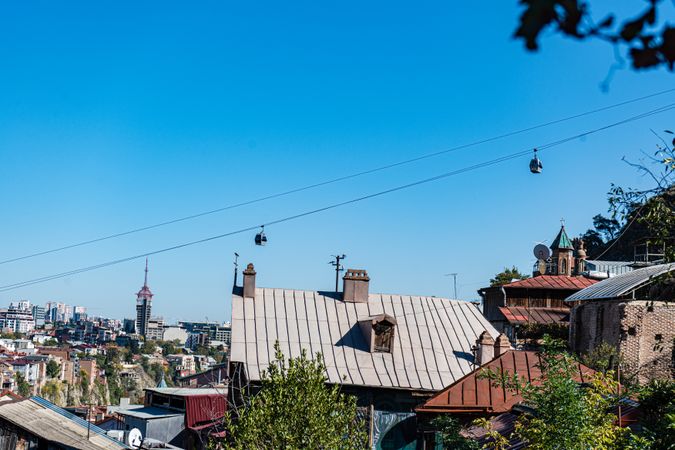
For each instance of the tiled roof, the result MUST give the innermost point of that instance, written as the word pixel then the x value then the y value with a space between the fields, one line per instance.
pixel 520 315
pixel 432 342
pixel 623 284
pixel 475 394
pixel 552 282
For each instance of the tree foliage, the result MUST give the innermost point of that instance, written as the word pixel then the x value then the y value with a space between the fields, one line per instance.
pixel 651 211
pixel 657 402
pixel 648 43
pixel 22 385
pixel 448 431
pixel 53 369
pixel 507 276
pixel 296 409
pixel 565 415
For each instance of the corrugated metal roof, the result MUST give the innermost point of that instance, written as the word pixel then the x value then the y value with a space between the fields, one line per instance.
pixel 187 392
pixel 552 282
pixel 432 347
pixel 55 426
pixel 473 394
pixel 613 267
pixel 520 314
pixel 621 285
pixel 149 413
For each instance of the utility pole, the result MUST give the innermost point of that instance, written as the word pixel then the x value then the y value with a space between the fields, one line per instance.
pixel 338 269
pixel 236 267
pixel 454 277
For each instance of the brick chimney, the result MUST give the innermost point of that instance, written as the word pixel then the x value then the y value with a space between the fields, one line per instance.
pixel 249 281
pixel 355 288
pixel 502 345
pixel 485 346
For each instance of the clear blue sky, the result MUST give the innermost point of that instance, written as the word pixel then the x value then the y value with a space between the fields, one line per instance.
pixel 115 115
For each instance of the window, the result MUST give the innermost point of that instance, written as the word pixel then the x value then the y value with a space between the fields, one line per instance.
pixel 384 336
pixel 563 266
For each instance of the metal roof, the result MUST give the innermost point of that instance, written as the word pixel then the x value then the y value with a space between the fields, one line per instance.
pixel 551 282
pixel 521 315
pixel 186 392
pixel 475 393
pixel 149 413
pixel 613 267
pixel 49 422
pixel 432 343
pixel 621 285
pixel 562 241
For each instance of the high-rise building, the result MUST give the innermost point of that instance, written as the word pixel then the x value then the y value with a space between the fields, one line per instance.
pixel 17 318
pixel 143 305
pixel 39 313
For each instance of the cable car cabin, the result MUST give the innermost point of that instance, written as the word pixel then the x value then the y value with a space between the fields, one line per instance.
pixel 535 164
pixel 260 238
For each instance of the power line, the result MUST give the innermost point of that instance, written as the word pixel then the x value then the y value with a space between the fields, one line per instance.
pixel 336 205
pixel 334 180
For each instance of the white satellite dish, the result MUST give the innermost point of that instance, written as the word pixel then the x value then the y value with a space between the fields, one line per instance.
pixel 541 252
pixel 134 438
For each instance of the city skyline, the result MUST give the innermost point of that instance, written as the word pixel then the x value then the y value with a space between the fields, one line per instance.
pixel 170 118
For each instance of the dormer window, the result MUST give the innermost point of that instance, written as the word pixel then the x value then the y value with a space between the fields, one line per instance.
pixel 379 332
pixel 384 336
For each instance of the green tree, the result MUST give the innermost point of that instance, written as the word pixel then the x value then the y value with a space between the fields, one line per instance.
pixel 448 431
pixel 603 358
pixel 296 409
pixel 647 42
pixel 84 386
pixel 148 347
pixel 507 276
pixel 565 415
pixel 50 343
pixel 23 387
pixel 53 369
pixel 657 403
pixel 650 212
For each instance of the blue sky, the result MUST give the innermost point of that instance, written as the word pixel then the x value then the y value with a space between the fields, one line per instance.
pixel 115 115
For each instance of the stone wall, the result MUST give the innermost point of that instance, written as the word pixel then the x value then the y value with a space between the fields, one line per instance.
pixel 643 331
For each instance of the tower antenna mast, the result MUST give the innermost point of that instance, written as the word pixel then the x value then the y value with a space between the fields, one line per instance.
pixel 338 268
pixel 454 277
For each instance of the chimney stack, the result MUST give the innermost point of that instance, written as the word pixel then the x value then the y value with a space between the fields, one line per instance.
pixel 485 348
pixel 249 281
pixel 355 287
pixel 502 345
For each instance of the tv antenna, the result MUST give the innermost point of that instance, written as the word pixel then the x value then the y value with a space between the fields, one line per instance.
pixel 236 267
pixel 454 282
pixel 338 268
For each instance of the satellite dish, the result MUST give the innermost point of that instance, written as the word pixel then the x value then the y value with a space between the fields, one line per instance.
pixel 541 252
pixel 134 438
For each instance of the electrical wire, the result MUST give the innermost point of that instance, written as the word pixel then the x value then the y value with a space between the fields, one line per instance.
pixel 336 205
pixel 334 180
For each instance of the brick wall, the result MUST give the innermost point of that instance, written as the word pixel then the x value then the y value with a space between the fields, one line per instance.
pixel 643 331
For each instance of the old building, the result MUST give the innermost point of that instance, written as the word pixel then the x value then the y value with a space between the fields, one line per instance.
pixel 38 424
pixel 518 307
pixel 390 351
pixel 635 313
pixel 186 418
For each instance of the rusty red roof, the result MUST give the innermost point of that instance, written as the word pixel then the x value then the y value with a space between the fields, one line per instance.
pixel 552 282
pixel 473 394
pixel 519 315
